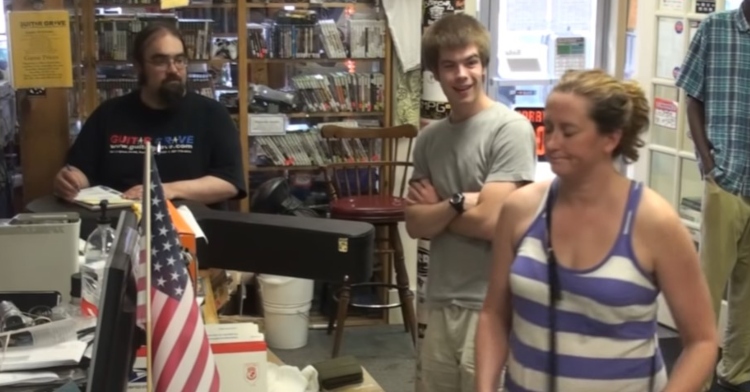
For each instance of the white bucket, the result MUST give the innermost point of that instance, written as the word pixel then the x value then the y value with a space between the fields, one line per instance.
pixel 286 309
pixel 283 291
pixel 286 328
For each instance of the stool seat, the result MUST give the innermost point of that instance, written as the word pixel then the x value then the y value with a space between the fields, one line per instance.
pixel 371 209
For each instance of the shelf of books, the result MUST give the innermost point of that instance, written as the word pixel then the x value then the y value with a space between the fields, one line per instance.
pixel 309 64
pixel 106 59
pixel 282 69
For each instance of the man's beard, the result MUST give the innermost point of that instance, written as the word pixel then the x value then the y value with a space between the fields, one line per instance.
pixel 172 91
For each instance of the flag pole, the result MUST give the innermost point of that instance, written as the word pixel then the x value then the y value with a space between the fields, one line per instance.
pixel 146 219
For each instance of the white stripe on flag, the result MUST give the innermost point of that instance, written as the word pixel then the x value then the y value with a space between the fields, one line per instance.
pixel 187 363
pixel 172 332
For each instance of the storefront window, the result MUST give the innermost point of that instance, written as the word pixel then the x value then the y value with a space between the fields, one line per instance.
pixel 537 41
pixel 630 39
pixel 3 44
pixel 732 4
pixel 2 19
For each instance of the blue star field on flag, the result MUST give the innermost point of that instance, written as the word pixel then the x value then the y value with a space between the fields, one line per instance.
pixel 168 273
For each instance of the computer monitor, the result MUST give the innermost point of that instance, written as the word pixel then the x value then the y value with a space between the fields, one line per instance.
pixel 117 338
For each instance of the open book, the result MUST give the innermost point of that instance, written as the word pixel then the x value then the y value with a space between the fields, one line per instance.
pixel 91 197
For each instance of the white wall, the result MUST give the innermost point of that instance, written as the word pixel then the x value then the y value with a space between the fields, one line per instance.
pixel 471 7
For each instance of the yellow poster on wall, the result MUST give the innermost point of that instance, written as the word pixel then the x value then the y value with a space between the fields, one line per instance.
pixel 168 4
pixel 40 50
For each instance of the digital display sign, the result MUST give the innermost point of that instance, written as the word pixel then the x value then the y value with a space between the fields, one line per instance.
pixel 536 117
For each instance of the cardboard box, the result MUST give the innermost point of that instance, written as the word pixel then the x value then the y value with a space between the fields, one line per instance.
pixel 239 351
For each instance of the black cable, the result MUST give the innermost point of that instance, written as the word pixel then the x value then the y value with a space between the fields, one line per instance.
pixel 554 292
pixel 555 295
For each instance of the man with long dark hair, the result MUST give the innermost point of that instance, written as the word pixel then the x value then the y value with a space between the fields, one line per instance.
pixel 196 140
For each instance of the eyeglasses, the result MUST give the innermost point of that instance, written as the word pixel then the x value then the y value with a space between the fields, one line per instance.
pixel 163 62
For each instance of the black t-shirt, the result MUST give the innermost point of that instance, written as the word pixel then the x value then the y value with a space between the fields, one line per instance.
pixel 196 139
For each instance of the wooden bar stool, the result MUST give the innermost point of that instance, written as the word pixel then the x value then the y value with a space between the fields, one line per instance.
pixel 363 189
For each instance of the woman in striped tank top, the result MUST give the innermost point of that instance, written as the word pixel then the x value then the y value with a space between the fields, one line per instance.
pixel 599 248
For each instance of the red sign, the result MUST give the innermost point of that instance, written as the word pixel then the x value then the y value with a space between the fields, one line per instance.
pixel 536 117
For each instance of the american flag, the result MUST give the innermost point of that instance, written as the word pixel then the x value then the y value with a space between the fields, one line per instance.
pixel 181 357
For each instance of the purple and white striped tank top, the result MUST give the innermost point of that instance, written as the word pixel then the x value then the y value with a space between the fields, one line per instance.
pixel 606 318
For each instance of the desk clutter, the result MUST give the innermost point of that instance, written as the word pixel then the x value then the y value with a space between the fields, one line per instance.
pixel 42 341
pixel 44 348
pixel 49 341
pixel 137 312
pixel 47 345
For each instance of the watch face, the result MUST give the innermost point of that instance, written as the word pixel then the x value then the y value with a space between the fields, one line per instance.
pixel 458 198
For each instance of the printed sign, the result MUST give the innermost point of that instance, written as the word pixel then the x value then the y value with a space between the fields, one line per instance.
pixel 665 113
pixel 169 4
pixel 433 10
pixel 40 49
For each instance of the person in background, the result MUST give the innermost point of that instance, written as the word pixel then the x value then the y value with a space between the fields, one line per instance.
pixel 464 168
pixel 580 261
pixel 715 77
pixel 196 141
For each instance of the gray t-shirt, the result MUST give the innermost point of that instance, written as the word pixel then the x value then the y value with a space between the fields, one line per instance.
pixel 495 145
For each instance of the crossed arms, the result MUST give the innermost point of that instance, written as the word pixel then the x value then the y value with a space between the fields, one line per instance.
pixel 428 216
pixel 512 160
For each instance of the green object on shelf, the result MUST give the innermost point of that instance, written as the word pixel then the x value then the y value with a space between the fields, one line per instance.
pixel 338 372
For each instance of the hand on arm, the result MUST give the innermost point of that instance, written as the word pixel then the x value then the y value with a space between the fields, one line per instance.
pixel 494 323
pixel 480 222
pixel 206 190
pixel 679 276
pixel 512 164
pixel 426 215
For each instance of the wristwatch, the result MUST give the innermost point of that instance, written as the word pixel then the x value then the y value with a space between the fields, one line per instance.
pixel 457 202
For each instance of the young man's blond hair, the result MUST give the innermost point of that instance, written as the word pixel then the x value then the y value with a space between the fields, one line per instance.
pixel 451 32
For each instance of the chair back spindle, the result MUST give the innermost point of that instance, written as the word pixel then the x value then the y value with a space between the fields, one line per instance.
pixel 367 161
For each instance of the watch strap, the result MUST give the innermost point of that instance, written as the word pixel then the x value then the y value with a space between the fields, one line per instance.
pixel 457 202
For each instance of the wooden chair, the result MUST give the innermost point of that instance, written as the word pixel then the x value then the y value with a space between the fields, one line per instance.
pixel 363 188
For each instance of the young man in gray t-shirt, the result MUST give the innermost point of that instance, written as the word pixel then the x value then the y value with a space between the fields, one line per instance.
pixel 464 168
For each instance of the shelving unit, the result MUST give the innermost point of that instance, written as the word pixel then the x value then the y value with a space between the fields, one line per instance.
pixel 251 43
pixel 312 51
pixel 335 59
pixel 668 164
pixel 299 64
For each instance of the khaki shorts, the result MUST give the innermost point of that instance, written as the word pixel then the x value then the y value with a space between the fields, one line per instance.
pixel 447 354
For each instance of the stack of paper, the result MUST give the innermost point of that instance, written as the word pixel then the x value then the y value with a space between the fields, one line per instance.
pixel 41 348
pixel 63 354
pixel 91 197
pixel 19 378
